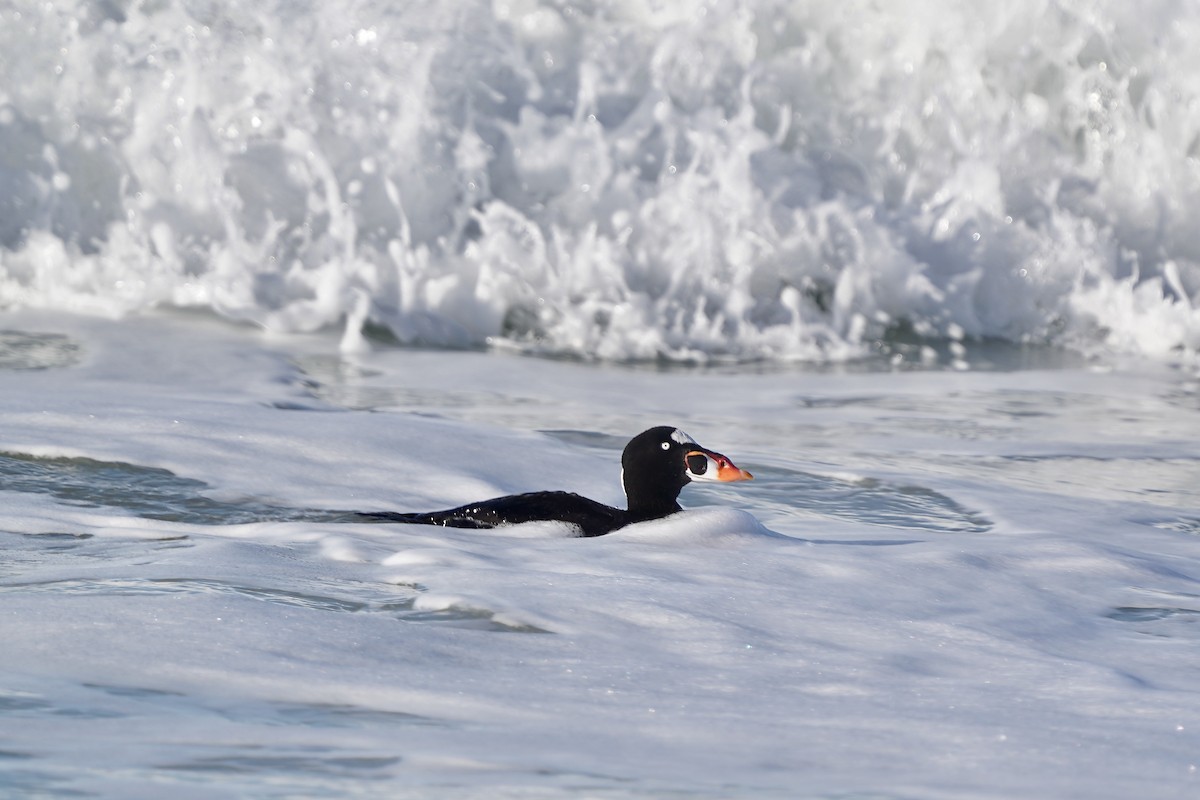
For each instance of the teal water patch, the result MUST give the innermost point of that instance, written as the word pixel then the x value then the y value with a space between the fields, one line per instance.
pixel 147 492
pixel 865 500
pixel 1160 613
pixel 24 351
pixel 1150 613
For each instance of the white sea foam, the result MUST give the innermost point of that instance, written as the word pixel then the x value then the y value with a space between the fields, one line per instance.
pixel 939 584
pixel 763 179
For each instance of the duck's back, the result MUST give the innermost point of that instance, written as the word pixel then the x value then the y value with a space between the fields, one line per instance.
pixel 592 518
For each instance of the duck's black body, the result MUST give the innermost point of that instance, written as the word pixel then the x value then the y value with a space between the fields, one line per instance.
pixel 592 518
pixel 655 466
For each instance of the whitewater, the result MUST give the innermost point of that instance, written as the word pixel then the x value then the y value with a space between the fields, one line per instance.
pixel 929 271
pixel 685 181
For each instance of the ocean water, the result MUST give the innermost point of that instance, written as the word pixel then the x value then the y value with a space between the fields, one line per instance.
pixel 941 583
pixel 929 272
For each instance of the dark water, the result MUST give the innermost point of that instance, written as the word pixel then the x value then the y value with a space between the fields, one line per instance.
pixel 140 491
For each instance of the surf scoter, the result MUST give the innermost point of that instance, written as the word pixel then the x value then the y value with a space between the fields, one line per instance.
pixel 655 466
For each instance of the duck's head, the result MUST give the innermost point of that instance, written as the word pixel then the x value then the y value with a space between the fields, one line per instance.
pixel 658 463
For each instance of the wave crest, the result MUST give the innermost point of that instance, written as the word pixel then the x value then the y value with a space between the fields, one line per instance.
pixel 706 180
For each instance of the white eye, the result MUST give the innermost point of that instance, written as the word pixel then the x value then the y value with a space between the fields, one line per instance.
pixel 666 445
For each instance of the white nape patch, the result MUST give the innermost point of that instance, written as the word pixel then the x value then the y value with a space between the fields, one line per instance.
pixel 682 437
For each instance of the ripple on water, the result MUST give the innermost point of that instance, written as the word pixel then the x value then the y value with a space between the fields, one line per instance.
pixel 26 704
pixel 1150 479
pixel 401 607
pixel 1149 613
pixel 867 500
pixel 11 701
pixel 24 552
pixel 135 692
pixel 307 761
pixel 333 715
pixel 25 351
pixel 147 492
pixel 112 701
pixel 1189 525
pixel 1160 613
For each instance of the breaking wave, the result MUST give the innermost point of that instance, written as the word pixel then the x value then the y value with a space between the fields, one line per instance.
pixel 688 180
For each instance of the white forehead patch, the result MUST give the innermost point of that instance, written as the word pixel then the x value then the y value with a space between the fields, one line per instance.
pixel 682 437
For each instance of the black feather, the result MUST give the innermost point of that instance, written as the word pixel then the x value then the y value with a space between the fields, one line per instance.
pixel 591 517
